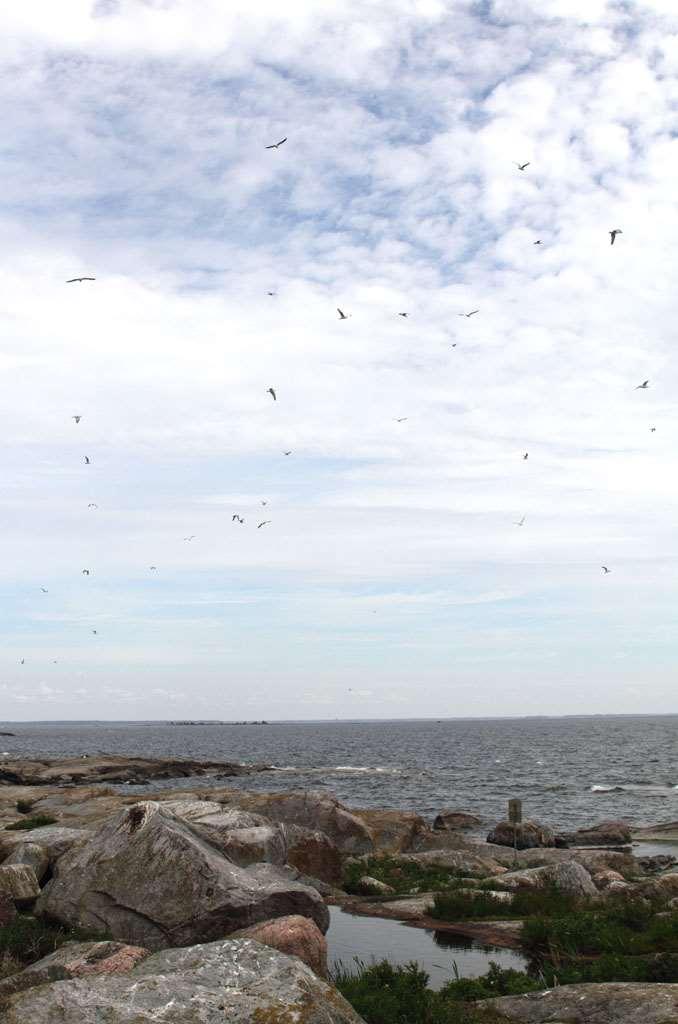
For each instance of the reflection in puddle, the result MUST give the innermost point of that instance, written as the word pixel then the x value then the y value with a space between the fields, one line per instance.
pixel 371 939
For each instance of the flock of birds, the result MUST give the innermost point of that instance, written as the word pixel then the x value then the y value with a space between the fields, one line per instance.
pixel 237 518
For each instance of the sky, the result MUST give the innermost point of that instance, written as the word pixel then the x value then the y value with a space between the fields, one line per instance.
pixel 392 580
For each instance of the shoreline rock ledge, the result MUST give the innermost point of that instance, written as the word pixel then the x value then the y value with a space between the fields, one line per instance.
pixel 86 770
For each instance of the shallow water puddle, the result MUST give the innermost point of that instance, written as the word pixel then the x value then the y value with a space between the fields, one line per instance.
pixel 371 939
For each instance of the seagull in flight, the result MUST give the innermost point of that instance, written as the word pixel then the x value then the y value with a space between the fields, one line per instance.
pixel 94 631
pixel 642 387
pixel 605 570
pixel 192 537
pixel 264 523
pixel 73 280
pixel 85 572
pixel 76 418
pixel 87 462
pixel 264 502
pixel 403 314
pixel 23 661
pixel 239 518
pixel 652 430
pixel 92 505
pixel 44 590
pixel 400 419
pixel 342 315
pixel 538 242
pixel 521 167
pixel 271 391
pixel 467 315
pixel 277 145
pixel 613 234
pixel 287 453
pixel 272 294
pixel 521 522
pixel 526 456
pixel 153 568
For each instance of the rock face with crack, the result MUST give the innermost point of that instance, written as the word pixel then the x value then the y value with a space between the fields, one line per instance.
pixel 239 981
pixel 148 879
pixel 613 1003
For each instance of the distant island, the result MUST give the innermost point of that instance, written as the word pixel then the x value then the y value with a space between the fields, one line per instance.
pixel 218 723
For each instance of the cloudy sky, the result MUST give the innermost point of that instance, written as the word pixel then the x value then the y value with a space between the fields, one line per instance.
pixel 392 580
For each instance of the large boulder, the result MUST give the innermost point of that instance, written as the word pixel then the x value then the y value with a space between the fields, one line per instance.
pixel 148 879
pixel 239 981
pixel 570 878
pixel 294 935
pixel 315 810
pixel 55 839
pixel 242 837
pixel 74 960
pixel 18 882
pixel 31 855
pixel 610 1003
pixel 455 821
pixel 472 862
pixel 393 831
pixel 522 837
pixel 607 833
pixel 313 853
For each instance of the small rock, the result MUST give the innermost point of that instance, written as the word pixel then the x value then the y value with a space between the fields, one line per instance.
pixel 294 935
pixel 607 833
pixel 569 877
pixel 604 878
pixel 18 882
pixel 659 862
pixel 524 836
pixel 368 886
pixel 453 821
pixel 33 856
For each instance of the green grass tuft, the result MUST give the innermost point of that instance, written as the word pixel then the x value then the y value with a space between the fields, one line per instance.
pixel 37 821
pixel 402 875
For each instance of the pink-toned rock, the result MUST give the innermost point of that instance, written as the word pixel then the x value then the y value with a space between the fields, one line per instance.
pixel 75 960
pixel 294 935
pixel 313 853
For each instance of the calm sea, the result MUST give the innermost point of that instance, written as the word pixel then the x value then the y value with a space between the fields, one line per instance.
pixel 568 771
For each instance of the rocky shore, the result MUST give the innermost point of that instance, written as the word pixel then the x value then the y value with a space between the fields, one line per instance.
pixel 216 902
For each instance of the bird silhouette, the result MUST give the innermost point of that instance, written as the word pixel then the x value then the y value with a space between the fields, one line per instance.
pixel 23 661
pixel 271 294
pixel 526 455
pixel 342 315
pixel 44 590
pixel 264 502
pixel 613 234
pixel 403 314
pixel 271 391
pixel 605 569
pixel 521 522
pixel 538 242
pixel 287 453
pixel 400 419
pixel 467 315
pixel 652 430
pixel 92 505
pixel 454 344
pixel 73 280
pixel 521 167
pixel 153 568
pixel 192 537
pixel 237 517
pixel 87 462
pixel 642 387
pixel 94 631
pixel 76 418
pixel 276 145
pixel 264 523
pixel 85 572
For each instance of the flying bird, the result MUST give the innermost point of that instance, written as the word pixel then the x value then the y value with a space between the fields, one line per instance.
pixel 23 661
pixel 73 280
pixel 652 430
pixel 538 242
pixel 526 455
pixel 44 590
pixel 264 523
pixel 521 167
pixel 239 518
pixel 76 418
pixel 94 631
pixel 87 462
pixel 467 315
pixel 276 145
pixel 153 568
pixel 264 503
pixel 287 453
pixel 521 522
pixel 403 314
pixel 92 505
pixel 192 537
pixel 605 570
pixel 613 234
pixel 454 344
pixel 271 391
pixel 271 294
pixel 342 315
pixel 642 387
pixel 85 572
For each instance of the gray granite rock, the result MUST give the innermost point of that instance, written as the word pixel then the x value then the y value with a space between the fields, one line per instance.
pixel 613 1003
